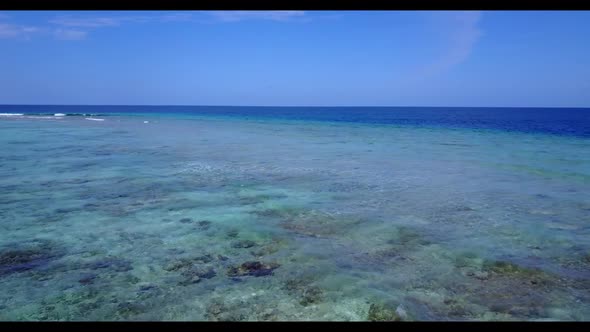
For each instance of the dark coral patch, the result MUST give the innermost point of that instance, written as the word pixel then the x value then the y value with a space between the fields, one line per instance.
pixel 381 313
pixel 204 224
pixel 87 279
pixel 27 258
pixel 514 271
pixel 307 294
pixel 256 269
pixel 243 244
pixel 112 263
pixel 195 274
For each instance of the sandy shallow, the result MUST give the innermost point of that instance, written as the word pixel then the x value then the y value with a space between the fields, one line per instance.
pixel 227 219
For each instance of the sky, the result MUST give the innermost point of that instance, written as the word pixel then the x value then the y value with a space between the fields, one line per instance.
pixel 296 58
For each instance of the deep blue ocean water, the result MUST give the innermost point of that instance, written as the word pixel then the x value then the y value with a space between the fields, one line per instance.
pixel 560 121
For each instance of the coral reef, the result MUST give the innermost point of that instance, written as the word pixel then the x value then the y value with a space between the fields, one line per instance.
pixel 383 313
pixel 27 256
pixel 303 289
pixel 252 268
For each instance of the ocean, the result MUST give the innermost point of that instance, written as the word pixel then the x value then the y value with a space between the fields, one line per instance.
pixel 182 213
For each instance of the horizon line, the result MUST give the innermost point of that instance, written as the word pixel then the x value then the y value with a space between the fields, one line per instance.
pixel 289 106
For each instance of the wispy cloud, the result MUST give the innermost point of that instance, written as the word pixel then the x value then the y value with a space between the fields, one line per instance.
pixel 465 35
pixel 97 22
pixel 273 15
pixel 70 26
pixel 178 17
pixel 8 30
pixel 16 31
pixel 112 21
pixel 69 34
pixel 463 32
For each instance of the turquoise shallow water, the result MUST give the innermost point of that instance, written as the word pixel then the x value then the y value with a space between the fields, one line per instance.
pixel 212 218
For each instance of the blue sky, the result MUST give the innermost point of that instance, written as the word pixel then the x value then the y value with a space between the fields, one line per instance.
pixel 296 58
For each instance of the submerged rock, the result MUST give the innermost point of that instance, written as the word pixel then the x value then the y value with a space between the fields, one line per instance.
pixel 91 206
pixel 511 270
pixel 205 273
pixel 481 275
pixel 66 210
pixel 115 264
pixel 254 268
pixel 514 290
pixel 178 264
pixel 381 313
pixel 87 279
pixel 318 224
pixel 203 259
pixel 128 308
pixel 456 308
pixel 251 200
pixel 27 258
pixel 266 250
pixel 145 287
pixel 468 260
pixel 190 280
pixel 285 212
pixel 186 263
pixel 302 288
pixel 219 311
pixel 195 274
pixel 256 199
pixel 242 309
pixel 407 237
pixel 204 224
pixel 191 269
pixel 17 259
pixel 311 295
pixel 401 312
pixel 242 244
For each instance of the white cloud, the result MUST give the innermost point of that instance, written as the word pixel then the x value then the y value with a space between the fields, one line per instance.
pixel 112 21
pixel 462 33
pixel 88 22
pixel 69 34
pixel 68 23
pixel 8 30
pixel 464 37
pixel 178 17
pixel 273 15
pixel 15 31
pixel 77 27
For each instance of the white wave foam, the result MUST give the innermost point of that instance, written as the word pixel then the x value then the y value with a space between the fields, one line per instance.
pixel 41 117
pixel 59 114
pixel 11 114
pixel 94 119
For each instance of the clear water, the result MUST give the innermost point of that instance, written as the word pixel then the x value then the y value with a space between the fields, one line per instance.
pixel 163 213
